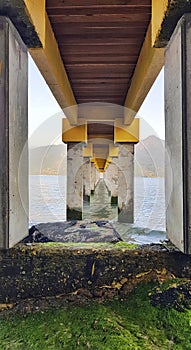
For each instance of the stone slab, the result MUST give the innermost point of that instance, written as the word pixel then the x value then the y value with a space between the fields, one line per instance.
pixel 80 231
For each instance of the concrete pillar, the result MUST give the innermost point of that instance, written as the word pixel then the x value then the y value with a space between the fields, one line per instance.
pixel 111 179
pixel 13 135
pixel 126 183
pixel 74 181
pixel 86 180
pixel 94 177
pixel 178 135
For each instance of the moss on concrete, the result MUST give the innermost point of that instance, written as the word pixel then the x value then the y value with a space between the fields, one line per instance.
pixel 176 9
pixel 15 10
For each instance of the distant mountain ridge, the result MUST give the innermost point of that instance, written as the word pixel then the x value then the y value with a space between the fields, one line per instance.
pixel 150 157
pixel 48 160
pixel 51 160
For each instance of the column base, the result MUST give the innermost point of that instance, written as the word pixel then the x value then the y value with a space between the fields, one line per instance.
pixel 114 200
pixel 86 198
pixel 125 216
pixel 74 214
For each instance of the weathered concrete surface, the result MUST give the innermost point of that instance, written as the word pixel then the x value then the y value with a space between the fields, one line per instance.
pixel 111 179
pixel 14 136
pixel 94 177
pixel 74 181
pixel 178 135
pixel 40 270
pixel 126 183
pixel 86 180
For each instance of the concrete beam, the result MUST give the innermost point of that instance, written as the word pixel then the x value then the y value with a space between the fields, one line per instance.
pixel 48 59
pixel 149 64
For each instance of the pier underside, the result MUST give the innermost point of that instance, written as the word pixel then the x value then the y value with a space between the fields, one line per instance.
pixel 100 61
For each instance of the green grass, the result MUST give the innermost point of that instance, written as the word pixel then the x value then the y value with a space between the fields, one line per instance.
pixel 116 325
pixel 90 245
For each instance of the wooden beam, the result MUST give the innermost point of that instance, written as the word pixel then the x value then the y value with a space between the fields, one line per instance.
pixel 48 59
pixel 61 3
pixel 148 66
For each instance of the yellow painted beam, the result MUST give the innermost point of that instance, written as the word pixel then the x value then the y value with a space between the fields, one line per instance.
pixel 108 161
pixel 88 151
pixel 35 11
pixel 113 151
pixel 95 164
pixel 71 133
pixel 147 69
pixel 48 58
pixel 126 133
pixel 100 163
pixel 159 9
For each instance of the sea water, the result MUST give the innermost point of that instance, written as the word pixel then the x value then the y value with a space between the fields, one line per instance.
pixel 48 204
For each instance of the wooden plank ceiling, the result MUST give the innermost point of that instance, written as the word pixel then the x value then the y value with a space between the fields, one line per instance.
pixel 99 41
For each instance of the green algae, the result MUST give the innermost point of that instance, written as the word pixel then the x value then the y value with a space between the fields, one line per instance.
pixel 132 323
pixel 90 245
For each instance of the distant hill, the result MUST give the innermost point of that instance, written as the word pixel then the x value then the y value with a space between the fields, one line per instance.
pixel 150 157
pixel 51 160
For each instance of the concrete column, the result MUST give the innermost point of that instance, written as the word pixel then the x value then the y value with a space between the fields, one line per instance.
pixel 74 181
pixel 94 177
pixel 13 136
pixel 111 179
pixel 178 135
pixel 86 180
pixel 126 183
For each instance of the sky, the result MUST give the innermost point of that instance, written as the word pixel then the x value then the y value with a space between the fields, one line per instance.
pixel 44 109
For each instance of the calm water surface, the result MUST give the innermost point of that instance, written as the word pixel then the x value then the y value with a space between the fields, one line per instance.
pixel 48 203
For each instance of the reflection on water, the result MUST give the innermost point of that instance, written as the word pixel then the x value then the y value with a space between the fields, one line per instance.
pixel 47 201
pixel 47 198
pixel 150 203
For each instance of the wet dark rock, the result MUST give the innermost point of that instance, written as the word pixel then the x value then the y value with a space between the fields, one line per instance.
pixel 35 236
pixel 177 296
pixel 73 231
pixel 100 223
